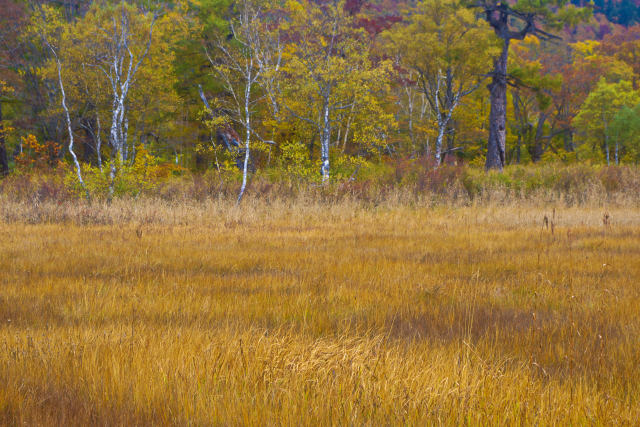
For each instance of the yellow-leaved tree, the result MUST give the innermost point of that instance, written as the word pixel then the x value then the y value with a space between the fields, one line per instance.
pixel 597 116
pixel 448 50
pixel 116 66
pixel 331 80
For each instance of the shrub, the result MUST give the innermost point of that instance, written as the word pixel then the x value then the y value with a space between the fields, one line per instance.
pixel 143 175
pixel 38 156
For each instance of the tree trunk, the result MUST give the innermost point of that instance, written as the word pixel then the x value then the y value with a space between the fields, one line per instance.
pixel 4 159
pixel 310 147
pixel 125 134
pixel 348 128
pixel 538 150
pixel 247 125
pixel 112 174
pixel 411 135
pixel 606 142
pixel 116 142
pixel 69 129
pixel 99 142
pixel 568 140
pixel 86 145
pixel 498 115
pixel 438 153
pixel 450 133
pixel 324 143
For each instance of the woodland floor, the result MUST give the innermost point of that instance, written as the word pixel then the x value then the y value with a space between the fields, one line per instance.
pixel 339 315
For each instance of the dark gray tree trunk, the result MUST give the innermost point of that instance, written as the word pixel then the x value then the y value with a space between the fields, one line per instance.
pixel 4 159
pixel 501 16
pixel 498 115
pixel 86 145
pixel 568 140
pixel 538 149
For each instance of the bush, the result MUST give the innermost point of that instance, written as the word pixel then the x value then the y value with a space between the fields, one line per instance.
pixel 38 156
pixel 143 175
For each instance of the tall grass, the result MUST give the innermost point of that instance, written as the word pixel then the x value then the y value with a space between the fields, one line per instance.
pixel 301 312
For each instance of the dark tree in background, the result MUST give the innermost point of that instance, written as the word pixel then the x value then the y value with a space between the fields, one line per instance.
pixel 515 21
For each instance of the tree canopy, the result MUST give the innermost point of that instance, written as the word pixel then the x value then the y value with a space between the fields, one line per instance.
pixel 327 85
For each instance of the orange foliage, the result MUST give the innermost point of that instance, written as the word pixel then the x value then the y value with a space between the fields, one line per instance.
pixel 37 155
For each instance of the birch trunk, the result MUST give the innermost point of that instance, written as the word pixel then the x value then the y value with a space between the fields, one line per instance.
pixel 324 143
pixel 99 142
pixel 247 126
pixel 347 129
pixel 450 104
pixel 115 149
pixel 121 78
pixel 69 130
pixel 438 153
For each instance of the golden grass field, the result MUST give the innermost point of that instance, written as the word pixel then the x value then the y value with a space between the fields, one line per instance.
pixel 207 314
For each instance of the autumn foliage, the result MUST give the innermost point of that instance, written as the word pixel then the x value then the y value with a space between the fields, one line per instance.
pixel 38 156
pixel 333 84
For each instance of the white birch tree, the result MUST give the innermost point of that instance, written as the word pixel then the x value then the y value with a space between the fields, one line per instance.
pixel 242 60
pixel 46 28
pixel 448 48
pixel 329 70
pixel 120 42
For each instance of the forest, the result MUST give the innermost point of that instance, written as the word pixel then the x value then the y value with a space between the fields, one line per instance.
pixel 113 98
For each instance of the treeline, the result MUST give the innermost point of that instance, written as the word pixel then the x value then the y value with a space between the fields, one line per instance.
pixel 114 92
pixel 624 12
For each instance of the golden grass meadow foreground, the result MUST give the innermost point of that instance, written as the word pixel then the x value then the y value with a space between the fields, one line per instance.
pixel 281 314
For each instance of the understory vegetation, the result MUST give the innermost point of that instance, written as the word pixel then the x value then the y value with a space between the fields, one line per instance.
pixel 405 181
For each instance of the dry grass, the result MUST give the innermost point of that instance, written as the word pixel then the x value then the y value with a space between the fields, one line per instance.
pixel 289 313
